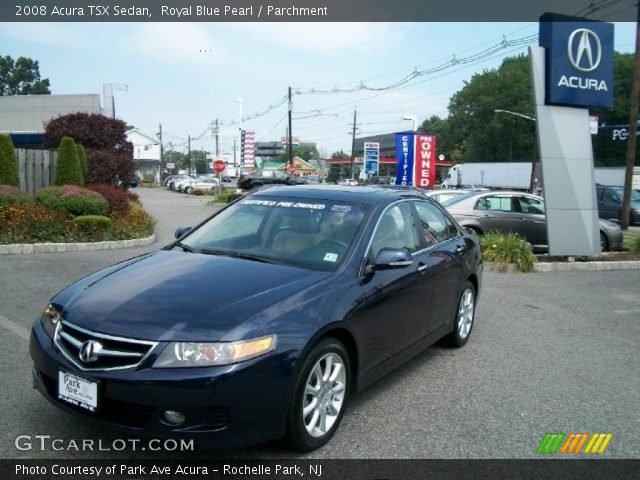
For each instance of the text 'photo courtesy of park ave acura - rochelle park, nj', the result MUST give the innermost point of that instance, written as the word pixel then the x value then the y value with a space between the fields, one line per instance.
pixel 374 240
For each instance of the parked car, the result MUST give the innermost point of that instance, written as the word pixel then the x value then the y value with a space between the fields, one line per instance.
pixel 252 182
pixel 261 321
pixel 442 196
pixel 311 179
pixel 517 212
pixel 183 183
pixel 171 178
pixel 348 182
pixel 610 203
pixel 226 178
pixel 134 181
pixel 201 184
pixel 174 181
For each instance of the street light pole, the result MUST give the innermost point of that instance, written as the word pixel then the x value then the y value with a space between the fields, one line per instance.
pixel 414 119
pixel 534 159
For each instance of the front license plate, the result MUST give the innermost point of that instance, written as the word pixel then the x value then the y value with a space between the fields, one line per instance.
pixel 77 391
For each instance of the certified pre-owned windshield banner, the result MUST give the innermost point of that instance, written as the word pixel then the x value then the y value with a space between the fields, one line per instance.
pixel 307 10
pixel 318 469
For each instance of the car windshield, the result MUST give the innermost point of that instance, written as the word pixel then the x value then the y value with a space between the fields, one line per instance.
pixel 635 195
pixel 308 233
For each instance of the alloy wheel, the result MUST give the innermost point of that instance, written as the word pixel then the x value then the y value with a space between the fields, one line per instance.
pixel 465 313
pixel 324 394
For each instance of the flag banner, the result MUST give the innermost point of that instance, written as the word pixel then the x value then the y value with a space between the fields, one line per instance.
pixel 425 161
pixel 405 159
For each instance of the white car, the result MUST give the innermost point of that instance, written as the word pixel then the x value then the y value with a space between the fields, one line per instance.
pixel 348 181
pixel 181 184
pixel 201 184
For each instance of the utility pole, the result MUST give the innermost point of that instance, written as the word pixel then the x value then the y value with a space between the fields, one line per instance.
pixel 189 155
pixel 353 143
pixel 234 154
pixel 217 134
pixel 290 135
pixel 161 153
pixel 205 160
pixel 633 130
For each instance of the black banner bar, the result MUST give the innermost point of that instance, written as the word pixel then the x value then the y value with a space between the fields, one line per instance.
pixel 308 10
pixel 318 469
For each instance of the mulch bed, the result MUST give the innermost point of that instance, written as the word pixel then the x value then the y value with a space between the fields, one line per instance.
pixel 604 257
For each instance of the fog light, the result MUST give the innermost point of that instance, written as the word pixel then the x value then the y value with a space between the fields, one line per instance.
pixel 173 418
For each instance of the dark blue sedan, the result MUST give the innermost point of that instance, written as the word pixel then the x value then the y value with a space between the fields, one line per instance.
pixel 262 320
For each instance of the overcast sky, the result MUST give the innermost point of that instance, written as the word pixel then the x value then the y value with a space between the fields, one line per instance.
pixel 185 75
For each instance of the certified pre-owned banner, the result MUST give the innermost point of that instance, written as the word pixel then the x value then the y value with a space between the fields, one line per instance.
pixel 425 161
pixel 404 156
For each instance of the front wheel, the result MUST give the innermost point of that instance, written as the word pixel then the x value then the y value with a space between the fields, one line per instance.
pixel 464 316
pixel 320 396
pixel 604 243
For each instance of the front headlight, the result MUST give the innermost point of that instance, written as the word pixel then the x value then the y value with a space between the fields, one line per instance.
pixel 49 319
pixel 612 226
pixel 194 354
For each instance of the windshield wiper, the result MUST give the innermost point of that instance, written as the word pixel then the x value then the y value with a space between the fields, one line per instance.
pixel 186 248
pixel 246 256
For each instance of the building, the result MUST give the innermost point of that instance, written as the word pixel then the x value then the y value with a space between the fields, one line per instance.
pixel 146 154
pixel 24 117
pixel 270 151
pixel 388 159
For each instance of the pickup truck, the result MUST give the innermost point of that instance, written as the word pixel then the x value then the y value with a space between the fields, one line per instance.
pixel 251 182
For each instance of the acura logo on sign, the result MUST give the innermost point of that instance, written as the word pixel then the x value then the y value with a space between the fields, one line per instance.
pixel 584 50
pixel 89 351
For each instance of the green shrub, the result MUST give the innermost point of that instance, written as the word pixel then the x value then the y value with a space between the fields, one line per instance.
pixel 634 243
pixel 92 228
pixel 73 199
pixel 8 164
pixel 82 159
pixel 10 194
pixel 68 170
pixel 503 249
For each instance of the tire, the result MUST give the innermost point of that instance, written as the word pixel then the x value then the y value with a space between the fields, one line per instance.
pixel 307 432
pixel 464 317
pixel 604 243
pixel 187 190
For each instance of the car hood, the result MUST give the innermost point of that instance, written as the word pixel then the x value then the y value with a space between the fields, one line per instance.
pixel 171 296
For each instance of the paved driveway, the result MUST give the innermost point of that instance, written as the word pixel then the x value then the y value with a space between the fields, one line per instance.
pixel 549 353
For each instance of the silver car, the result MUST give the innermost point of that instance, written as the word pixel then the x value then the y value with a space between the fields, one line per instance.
pixel 517 212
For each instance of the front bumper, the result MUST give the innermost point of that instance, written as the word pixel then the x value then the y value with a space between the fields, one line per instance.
pixel 232 406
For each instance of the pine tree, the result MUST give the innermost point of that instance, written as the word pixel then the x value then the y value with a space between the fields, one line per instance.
pixel 82 158
pixel 68 170
pixel 8 165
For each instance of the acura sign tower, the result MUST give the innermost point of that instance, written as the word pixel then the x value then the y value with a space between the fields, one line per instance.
pixel 572 70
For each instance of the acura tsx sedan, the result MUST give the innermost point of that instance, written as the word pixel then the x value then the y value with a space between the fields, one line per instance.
pixel 260 322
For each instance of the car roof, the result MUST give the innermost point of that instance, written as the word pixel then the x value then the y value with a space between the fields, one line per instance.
pixel 360 194
pixel 473 195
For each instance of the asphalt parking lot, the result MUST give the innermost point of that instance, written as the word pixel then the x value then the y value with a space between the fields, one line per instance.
pixel 550 352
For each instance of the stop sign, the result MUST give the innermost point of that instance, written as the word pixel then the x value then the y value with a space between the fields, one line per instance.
pixel 218 166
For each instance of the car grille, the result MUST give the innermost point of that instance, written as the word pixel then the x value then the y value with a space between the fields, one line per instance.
pixel 96 351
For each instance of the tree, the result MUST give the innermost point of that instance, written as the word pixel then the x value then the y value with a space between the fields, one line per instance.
pixel 8 165
pixel 477 132
pixel 68 169
pixel 21 77
pixel 82 158
pixel 109 153
pixel 339 154
pixel 440 128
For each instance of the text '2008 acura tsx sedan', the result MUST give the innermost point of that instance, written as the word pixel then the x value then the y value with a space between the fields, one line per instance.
pixel 262 320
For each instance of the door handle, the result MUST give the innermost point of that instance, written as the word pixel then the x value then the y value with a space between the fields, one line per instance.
pixel 460 248
pixel 422 267
pixel 527 220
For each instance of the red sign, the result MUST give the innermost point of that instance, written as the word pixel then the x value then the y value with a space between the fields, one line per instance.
pixel 218 166
pixel 425 161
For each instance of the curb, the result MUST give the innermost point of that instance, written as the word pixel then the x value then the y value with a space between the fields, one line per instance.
pixel 27 248
pixel 570 266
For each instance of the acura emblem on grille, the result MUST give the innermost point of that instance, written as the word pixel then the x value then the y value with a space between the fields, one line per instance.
pixel 89 351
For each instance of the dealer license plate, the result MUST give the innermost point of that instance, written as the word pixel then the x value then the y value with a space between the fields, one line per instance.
pixel 77 391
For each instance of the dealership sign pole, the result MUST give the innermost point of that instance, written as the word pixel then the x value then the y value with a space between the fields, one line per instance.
pixel 425 161
pixel 572 70
pixel 371 158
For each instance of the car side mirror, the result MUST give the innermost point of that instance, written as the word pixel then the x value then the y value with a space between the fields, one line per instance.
pixel 182 231
pixel 392 258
